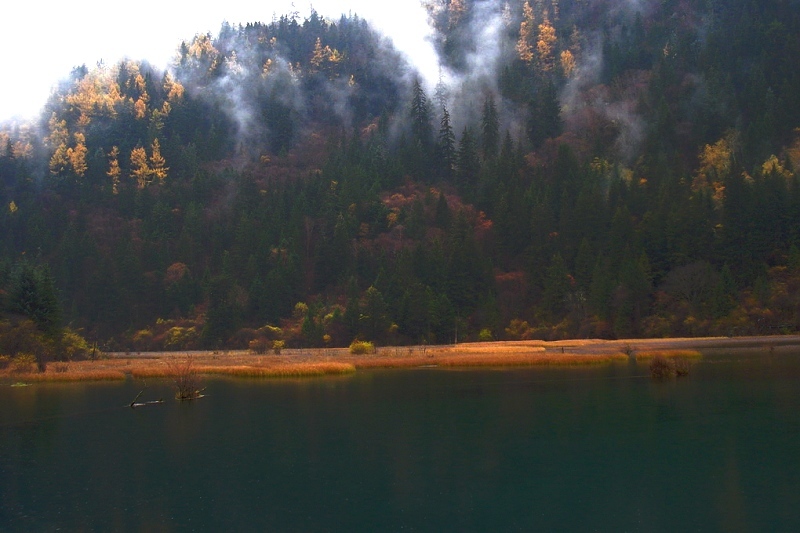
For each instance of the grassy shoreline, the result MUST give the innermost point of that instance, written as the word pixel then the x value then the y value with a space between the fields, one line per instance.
pixel 337 361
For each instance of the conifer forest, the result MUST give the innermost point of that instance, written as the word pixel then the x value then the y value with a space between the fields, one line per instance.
pixel 581 169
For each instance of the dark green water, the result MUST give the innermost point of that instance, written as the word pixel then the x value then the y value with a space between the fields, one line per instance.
pixel 600 449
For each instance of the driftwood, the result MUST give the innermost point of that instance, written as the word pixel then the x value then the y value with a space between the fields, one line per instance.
pixel 142 404
pixel 135 404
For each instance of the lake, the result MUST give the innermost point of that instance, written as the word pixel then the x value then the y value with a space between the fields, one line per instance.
pixel 605 449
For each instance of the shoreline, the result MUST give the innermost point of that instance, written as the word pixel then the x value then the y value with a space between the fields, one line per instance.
pixel 318 362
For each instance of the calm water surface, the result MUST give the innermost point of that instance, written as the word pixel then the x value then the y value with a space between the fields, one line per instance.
pixel 600 449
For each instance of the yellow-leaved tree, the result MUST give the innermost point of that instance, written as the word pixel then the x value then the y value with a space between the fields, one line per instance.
pixel 145 169
pixel 322 56
pixel 545 44
pixel 716 163
pixel 318 55
pixel 174 91
pixel 59 135
pixel 97 93
pixel 140 105
pixel 567 63
pixel 524 46
pixel 158 165
pixel 140 169
pixel 114 172
pixel 773 166
pixel 59 161
pixel 77 155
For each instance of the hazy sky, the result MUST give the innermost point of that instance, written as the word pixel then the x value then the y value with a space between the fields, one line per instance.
pixel 42 40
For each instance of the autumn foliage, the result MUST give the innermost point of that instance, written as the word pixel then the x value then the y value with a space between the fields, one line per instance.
pixel 580 169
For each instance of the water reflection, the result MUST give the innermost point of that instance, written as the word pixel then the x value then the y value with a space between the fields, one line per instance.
pixel 576 449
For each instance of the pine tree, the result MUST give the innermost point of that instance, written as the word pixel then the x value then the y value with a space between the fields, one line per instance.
pixel 33 294
pixel 467 163
pixel 446 144
pixel 556 287
pixel 420 116
pixel 545 120
pixel 490 129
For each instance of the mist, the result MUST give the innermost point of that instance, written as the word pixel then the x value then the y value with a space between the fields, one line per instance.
pixel 63 36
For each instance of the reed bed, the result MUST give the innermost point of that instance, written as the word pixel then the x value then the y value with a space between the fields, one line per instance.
pixel 289 370
pixel 280 369
pixel 154 372
pixel 486 349
pixel 538 359
pixel 70 376
pixel 491 360
pixel 669 354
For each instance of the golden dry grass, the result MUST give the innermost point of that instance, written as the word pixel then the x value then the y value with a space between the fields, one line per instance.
pixel 669 354
pixel 290 370
pixel 70 375
pixel 491 348
pixel 337 361
pixel 141 371
pixel 258 370
pixel 536 358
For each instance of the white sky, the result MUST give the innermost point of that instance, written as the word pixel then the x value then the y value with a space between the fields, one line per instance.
pixel 42 41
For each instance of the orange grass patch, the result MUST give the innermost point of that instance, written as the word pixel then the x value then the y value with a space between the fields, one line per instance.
pixel 488 349
pixel 276 370
pixel 288 370
pixel 669 354
pixel 71 375
pixel 146 371
pixel 491 360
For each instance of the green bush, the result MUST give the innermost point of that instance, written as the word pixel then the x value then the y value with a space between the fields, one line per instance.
pixel 24 363
pixel 485 335
pixel 258 346
pixel 74 346
pixel 519 330
pixel 180 337
pixel 272 332
pixel 361 347
pixel 143 340
pixel 277 346
pixel 23 337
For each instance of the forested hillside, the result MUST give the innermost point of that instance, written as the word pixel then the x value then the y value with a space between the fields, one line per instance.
pixel 582 168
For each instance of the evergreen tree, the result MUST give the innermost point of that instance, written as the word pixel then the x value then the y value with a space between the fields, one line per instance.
pixel 374 318
pixel 490 129
pixel 468 164
pixel 33 294
pixel 545 119
pixel 446 144
pixel 557 285
pixel 420 116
